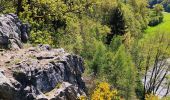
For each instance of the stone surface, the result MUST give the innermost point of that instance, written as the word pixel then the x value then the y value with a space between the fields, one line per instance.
pixel 41 73
pixel 12 31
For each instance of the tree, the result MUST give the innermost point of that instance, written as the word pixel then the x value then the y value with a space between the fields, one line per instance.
pixel 155 51
pixel 99 58
pixel 116 43
pixel 118 70
pixel 156 15
pixel 19 7
pixel 137 58
pixel 168 8
pixel 117 24
pixel 158 8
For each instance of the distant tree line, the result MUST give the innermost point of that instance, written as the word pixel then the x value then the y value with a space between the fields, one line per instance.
pixel 165 3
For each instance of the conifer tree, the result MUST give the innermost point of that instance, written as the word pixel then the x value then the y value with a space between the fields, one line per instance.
pixel 117 24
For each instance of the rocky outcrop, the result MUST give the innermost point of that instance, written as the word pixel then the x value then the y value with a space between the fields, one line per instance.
pixel 12 31
pixel 41 73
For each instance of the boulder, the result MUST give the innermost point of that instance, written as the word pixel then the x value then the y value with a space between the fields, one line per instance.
pixel 12 31
pixel 9 88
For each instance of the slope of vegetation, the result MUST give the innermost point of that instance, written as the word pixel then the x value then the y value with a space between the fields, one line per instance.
pixel 108 34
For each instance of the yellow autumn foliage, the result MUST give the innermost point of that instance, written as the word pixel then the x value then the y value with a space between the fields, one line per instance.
pixel 151 97
pixel 82 98
pixel 104 92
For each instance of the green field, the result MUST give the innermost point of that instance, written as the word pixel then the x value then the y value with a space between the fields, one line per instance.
pixel 164 26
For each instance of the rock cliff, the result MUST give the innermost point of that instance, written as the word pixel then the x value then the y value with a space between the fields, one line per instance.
pixel 12 31
pixel 40 73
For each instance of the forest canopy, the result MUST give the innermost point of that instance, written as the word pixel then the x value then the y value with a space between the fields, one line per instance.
pixel 109 34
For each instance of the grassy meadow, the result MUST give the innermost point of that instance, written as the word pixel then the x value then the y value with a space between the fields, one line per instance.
pixel 164 26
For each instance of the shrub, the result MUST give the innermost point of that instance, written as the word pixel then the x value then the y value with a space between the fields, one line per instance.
pixel 151 97
pixel 43 37
pixel 104 92
pixel 156 15
pixel 155 20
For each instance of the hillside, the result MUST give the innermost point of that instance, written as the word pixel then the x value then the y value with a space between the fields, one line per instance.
pixel 84 50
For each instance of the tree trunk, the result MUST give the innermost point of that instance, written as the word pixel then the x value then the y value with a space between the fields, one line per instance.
pixel 19 7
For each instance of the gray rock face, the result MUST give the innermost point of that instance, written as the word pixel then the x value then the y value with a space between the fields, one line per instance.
pixel 42 73
pixel 12 31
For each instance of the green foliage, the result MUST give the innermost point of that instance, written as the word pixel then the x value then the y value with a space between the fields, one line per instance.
pixel 156 15
pixel 99 58
pixel 140 11
pixel 81 27
pixel 158 9
pixel 137 58
pixel 154 43
pixel 43 37
pixel 154 40
pixel 152 48
pixel 118 25
pixel 155 20
pixel 134 26
pixel 116 43
pixel 121 76
pixel 168 8
pixel 117 68
pixel 7 6
pixel 165 25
